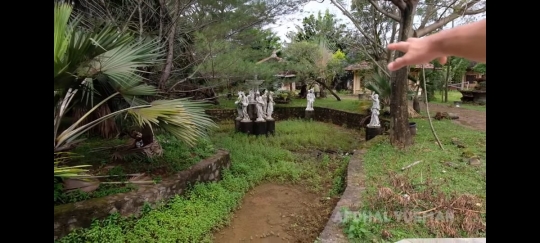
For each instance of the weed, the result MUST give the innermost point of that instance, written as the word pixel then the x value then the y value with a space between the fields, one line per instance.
pixel 205 206
pixel 430 199
pixel 176 157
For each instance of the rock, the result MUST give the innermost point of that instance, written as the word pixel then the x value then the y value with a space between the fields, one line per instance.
pixel 453 116
pixel 458 143
pixel 439 116
pixel 452 165
pixel 446 115
pixel 475 162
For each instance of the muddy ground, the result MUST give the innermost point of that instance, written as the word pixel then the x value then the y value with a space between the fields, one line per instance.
pixel 273 213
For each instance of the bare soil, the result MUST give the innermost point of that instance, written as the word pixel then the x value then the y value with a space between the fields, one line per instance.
pixel 468 118
pixel 278 213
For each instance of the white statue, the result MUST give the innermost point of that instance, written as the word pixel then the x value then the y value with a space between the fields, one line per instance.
pixel 310 99
pixel 265 102
pixel 375 108
pixel 238 104
pixel 270 108
pixel 251 97
pixel 245 103
pixel 260 103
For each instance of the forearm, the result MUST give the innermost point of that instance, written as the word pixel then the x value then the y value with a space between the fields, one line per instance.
pixel 467 41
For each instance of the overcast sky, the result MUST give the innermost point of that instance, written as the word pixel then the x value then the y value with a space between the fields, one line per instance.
pixel 288 22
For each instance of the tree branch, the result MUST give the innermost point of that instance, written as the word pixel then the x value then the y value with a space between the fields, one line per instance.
pixel 381 10
pixel 443 21
pixel 358 27
pixel 442 14
pixel 430 11
pixel 400 4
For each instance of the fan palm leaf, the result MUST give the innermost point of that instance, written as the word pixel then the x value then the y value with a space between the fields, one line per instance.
pixel 67 171
pixel 74 46
pixel 380 85
pixel 185 119
pixel 114 60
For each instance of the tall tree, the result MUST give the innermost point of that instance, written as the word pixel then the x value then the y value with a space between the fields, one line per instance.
pixel 314 61
pixel 177 23
pixel 323 26
pixel 439 13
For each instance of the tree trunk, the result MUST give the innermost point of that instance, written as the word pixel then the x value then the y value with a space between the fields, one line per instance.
pixel 161 18
pixel 392 39
pixel 328 88
pixel 447 78
pixel 170 52
pixel 449 62
pixel 400 135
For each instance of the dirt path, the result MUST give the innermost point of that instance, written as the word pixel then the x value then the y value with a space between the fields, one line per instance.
pixel 469 118
pixel 277 213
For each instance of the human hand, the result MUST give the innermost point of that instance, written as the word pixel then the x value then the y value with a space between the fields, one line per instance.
pixel 417 51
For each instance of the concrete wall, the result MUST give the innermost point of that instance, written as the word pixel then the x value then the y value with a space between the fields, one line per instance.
pixel 68 217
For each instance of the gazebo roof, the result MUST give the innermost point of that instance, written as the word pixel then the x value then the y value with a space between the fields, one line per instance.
pixel 419 66
pixel 273 56
pixel 286 74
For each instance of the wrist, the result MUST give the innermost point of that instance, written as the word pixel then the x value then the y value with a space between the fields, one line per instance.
pixel 438 45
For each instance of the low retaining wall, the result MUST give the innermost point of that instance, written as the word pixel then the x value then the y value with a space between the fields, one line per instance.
pixel 68 217
pixel 350 199
pixel 337 117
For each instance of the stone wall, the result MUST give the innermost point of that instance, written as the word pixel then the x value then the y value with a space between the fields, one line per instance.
pixel 80 214
pixel 349 119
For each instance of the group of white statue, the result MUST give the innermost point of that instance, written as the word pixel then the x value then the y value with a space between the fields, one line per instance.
pixel 264 103
pixel 265 106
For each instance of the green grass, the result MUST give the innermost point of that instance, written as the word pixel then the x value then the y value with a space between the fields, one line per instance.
pixel 283 158
pixel 446 172
pixel 347 103
pixel 177 156
pixel 454 95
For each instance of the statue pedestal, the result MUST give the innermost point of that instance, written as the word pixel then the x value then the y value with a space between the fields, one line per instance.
pixel 252 111
pixel 412 128
pixel 270 126
pixel 372 132
pixel 309 114
pixel 237 124
pixel 246 127
pixel 259 128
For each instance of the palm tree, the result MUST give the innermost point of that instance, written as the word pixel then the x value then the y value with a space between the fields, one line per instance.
pixel 99 69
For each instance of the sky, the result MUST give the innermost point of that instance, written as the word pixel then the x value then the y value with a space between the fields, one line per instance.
pixel 287 23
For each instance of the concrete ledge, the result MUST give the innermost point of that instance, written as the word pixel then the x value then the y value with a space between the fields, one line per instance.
pixel 350 199
pixel 68 217
pixel 337 117
pixel 444 240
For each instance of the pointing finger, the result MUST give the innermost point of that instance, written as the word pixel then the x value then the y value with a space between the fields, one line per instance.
pixel 400 46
